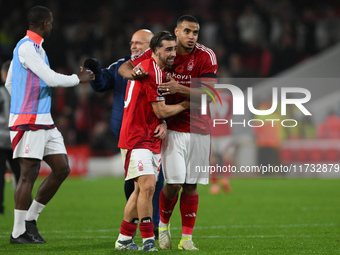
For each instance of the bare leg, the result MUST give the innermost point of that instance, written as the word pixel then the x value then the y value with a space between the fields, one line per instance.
pixel 190 189
pixel 60 170
pixel 130 211
pixel 29 170
pixel 146 190
pixel 171 190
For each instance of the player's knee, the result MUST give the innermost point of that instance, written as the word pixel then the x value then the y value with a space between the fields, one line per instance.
pixel 62 172
pixel 190 189
pixel 29 177
pixel 174 188
pixel 29 173
pixel 148 190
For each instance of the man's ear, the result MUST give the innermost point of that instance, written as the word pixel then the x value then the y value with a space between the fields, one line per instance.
pixel 44 25
pixel 176 31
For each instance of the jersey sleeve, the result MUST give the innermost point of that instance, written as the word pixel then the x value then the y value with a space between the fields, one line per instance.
pixel 105 79
pixel 30 59
pixel 209 67
pixel 136 60
pixel 152 81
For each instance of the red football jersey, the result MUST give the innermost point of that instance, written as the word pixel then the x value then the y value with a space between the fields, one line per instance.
pixel 224 112
pixel 139 120
pixel 201 62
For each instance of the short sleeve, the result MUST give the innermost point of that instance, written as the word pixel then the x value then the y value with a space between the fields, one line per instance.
pixel 209 65
pixel 136 60
pixel 152 92
pixel 154 78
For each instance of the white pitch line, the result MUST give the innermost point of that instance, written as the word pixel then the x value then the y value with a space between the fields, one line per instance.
pixel 267 226
pixel 116 230
pixel 179 237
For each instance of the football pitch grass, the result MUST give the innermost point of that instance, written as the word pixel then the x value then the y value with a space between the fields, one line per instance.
pixel 259 216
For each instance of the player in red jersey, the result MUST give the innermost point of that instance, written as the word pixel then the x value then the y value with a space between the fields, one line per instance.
pixel 144 107
pixel 188 142
pixel 222 144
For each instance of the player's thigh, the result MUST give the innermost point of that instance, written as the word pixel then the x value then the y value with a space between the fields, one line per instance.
pixel 58 163
pixel 55 154
pixel 174 152
pixel 198 160
pixel 147 184
pixel 55 143
pixel 29 144
pixel 139 162
pixel 223 146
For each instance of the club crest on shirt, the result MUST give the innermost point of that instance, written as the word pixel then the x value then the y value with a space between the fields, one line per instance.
pixel 190 65
pixel 140 165
pixel 27 149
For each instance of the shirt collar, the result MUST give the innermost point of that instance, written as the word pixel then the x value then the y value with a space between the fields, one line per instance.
pixel 34 37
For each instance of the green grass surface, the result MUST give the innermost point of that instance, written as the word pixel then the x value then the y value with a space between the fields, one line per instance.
pixel 260 216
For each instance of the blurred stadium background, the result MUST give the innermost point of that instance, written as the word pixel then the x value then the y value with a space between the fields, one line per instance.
pixel 252 39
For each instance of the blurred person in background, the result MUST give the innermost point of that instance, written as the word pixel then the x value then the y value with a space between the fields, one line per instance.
pixel 6 153
pixel 222 143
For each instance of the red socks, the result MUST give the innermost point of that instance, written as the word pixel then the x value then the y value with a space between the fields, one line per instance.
pixel 146 227
pixel 128 228
pixel 166 207
pixel 188 208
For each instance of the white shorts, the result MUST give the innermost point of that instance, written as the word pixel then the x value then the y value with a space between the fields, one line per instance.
pixel 38 143
pixel 185 158
pixel 222 144
pixel 138 162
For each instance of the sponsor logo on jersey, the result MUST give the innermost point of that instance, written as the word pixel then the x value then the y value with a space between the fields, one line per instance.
pixel 180 77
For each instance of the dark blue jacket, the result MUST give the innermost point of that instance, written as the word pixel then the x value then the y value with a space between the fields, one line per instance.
pixel 106 79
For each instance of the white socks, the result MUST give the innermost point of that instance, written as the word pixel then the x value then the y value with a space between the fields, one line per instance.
pixel 19 223
pixel 20 216
pixel 149 238
pixel 34 211
pixel 124 237
pixel 184 235
pixel 163 225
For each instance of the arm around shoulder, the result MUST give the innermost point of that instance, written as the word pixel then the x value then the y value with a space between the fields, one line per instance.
pixel 125 70
pixel 164 111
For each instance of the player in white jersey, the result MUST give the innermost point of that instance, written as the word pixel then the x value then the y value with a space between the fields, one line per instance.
pixel 33 134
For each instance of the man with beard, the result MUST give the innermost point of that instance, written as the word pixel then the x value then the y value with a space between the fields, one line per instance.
pixel 188 141
pixel 144 109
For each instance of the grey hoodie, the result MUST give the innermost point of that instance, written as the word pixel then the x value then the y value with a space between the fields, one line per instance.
pixel 5 100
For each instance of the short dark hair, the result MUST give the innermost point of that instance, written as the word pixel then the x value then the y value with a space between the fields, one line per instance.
pixel 37 15
pixel 188 18
pixel 156 41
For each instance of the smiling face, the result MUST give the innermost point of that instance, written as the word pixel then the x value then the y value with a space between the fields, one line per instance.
pixel 140 42
pixel 187 35
pixel 165 55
